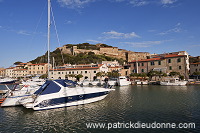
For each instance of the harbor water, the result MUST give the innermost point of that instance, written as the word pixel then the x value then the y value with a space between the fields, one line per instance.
pixel 130 104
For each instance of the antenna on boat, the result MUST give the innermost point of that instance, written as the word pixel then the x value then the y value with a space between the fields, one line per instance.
pixel 49 24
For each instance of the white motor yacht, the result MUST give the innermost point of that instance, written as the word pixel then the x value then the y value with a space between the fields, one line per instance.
pixel 63 93
pixel 173 81
pixel 12 97
pixel 123 81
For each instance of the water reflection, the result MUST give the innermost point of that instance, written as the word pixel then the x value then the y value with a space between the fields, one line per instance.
pixel 133 103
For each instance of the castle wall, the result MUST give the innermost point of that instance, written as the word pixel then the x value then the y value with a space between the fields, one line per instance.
pixel 108 51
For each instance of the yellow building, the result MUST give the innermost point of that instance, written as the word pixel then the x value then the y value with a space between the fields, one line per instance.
pixel 88 71
pixel 38 69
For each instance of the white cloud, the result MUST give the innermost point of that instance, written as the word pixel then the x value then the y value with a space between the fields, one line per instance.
pixel 135 3
pixel 94 41
pixel 145 44
pixel 168 1
pixel 195 45
pixel 22 32
pixel 74 3
pixel 176 29
pixel 117 35
pixel 68 22
pixel 139 2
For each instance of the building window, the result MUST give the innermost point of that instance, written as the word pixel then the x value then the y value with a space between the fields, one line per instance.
pixel 179 60
pixel 152 63
pixel 159 62
pixel 142 64
pixel 169 60
pixel 95 71
pixel 58 72
pixel 179 67
pixel 85 71
pixel 142 70
pixel 170 67
pixel 138 64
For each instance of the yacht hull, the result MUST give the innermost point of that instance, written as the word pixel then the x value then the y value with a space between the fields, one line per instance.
pixel 67 101
pixel 12 100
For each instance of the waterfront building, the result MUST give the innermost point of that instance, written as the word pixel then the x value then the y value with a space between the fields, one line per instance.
pixel 9 72
pixel 194 67
pixel 111 63
pixel 38 69
pixel 165 63
pixel 25 69
pixel 126 70
pixel 20 72
pixel 88 71
pixel 2 72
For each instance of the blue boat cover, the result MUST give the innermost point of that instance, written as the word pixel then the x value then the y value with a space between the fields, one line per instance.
pixel 51 87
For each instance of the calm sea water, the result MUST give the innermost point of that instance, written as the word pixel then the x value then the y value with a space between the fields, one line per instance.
pixel 148 104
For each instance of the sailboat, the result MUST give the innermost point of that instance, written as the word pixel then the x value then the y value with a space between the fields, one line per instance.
pixel 62 93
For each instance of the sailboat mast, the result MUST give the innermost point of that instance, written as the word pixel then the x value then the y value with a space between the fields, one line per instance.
pixel 49 24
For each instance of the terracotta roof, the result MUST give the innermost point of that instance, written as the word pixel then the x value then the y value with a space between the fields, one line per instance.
pixel 10 68
pixel 115 67
pixel 21 70
pixel 38 64
pixel 78 68
pixel 195 63
pixel 173 55
pixel 144 60
pixel 160 58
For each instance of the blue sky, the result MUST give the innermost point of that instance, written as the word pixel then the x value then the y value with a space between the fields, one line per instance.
pixel 154 26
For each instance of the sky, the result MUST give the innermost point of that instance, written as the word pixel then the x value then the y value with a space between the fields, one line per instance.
pixel 154 26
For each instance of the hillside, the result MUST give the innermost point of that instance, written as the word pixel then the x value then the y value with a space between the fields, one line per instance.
pixel 81 58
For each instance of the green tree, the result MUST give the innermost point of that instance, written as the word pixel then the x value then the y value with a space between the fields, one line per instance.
pixel 44 76
pixel 196 73
pixel 114 74
pixel 71 75
pixel 151 74
pixel 181 77
pixel 100 74
pixel 78 77
pixel 17 62
pixel 174 74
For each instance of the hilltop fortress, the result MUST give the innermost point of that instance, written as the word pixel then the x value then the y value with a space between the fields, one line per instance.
pixel 105 50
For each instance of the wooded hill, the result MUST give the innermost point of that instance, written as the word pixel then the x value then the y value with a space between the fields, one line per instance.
pixel 82 58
